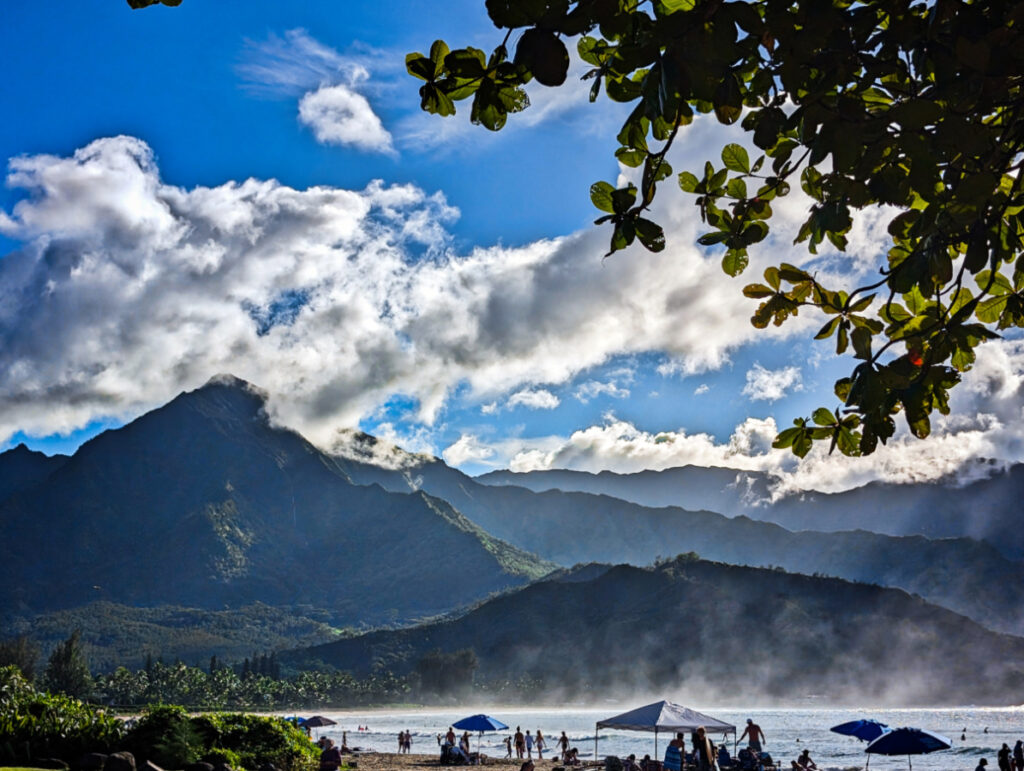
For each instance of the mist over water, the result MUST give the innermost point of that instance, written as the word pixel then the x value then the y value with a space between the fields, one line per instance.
pixel 788 732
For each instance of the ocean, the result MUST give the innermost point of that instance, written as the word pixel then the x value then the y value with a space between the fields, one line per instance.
pixel 788 732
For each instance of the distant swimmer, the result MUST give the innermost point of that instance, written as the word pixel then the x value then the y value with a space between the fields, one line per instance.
pixel 755 736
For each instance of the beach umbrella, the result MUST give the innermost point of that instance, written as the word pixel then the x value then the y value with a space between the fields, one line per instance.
pixel 479 723
pixel 319 721
pixel 865 730
pixel 908 741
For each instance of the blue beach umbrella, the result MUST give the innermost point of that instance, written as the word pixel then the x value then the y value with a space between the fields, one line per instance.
pixel 908 741
pixel 865 730
pixel 479 723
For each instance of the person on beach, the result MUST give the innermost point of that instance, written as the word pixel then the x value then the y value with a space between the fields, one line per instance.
pixel 527 766
pixel 330 758
pixel 1003 757
pixel 540 745
pixel 1018 755
pixel 981 765
pixel 464 743
pixel 529 745
pixel 704 754
pixel 520 742
pixel 401 741
pixel 572 757
pixel 630 764
pixel 450 736
pixel 755 735
pixel 645 764
pixel 508 746
pixel 408 741
pixel 563 745
pixel 804 762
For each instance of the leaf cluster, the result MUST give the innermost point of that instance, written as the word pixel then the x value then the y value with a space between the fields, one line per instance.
pixel 916 106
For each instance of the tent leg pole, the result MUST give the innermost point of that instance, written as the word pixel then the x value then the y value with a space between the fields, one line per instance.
pixel 595 742
pixel 655 743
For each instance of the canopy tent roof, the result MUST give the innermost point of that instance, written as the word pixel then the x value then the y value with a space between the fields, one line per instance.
pixel 666 716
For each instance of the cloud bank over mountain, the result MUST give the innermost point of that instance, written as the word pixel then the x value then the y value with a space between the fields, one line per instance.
pixel 128 290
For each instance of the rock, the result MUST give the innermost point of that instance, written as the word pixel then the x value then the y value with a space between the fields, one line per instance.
pixel 120 761
pixel 268 767
pixel 92 761
pixel 222 767
pixel 55 763
pixel 149 765
pixel 199 767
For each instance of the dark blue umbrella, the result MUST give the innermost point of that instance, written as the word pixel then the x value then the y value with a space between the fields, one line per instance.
pixel 908 741
pixel 865 730
pixel 479 723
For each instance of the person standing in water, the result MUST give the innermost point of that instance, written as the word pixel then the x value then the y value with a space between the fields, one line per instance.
pixel 520 742
pixel 540 745
pixel 1003 757
pixel 755 735
pixel 563 744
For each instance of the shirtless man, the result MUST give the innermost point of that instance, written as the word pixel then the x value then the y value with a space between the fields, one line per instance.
pixel 804 762
pixel 755 735
pixel 563 744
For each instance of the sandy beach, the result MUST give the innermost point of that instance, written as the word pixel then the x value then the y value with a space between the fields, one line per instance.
pixel 390 761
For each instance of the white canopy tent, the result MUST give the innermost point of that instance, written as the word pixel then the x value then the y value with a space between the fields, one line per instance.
pixel 664 717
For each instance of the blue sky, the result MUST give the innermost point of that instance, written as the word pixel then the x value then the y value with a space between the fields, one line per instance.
pixel 421 279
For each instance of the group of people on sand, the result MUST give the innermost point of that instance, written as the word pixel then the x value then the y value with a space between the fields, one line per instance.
pixel 525 744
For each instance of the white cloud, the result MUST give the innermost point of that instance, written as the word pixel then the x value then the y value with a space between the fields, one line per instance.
pixel 982 434
pixel 594 388
pixel 771 385
pixel 331 85
pixel 538 399
pixel 466 449
pixel 703 388
pixel 491 408
pixel 339 116
pixel 129 290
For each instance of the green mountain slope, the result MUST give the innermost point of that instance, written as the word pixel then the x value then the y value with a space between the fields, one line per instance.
pixel 712 632
pixel 572 527
pixel 203 503
pixel 116 635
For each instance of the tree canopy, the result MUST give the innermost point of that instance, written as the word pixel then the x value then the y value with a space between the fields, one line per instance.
pixel 914 106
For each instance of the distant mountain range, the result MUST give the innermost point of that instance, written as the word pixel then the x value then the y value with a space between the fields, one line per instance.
pixel 985 509
pixel 203 527
pixel 710 631
pixel 963 574
pixel 203 503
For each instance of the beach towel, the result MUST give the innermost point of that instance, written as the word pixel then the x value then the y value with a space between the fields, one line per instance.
pixel 673 759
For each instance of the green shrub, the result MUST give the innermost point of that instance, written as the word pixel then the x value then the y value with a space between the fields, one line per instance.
pixel 221 755
pixel 35 724
pixel 260 739
pixel 167 736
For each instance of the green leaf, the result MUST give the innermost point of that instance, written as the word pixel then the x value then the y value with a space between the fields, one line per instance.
pixel 623 198
pixel 735 158
pixel 827 330
pixel 758 291
pixel 544 55
pixel 650 234
pixel 419 66
pixel 601 196
pixel 709 239
pixel 667 7
pixel 735 261
pixel 824 417
pixel 688 182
